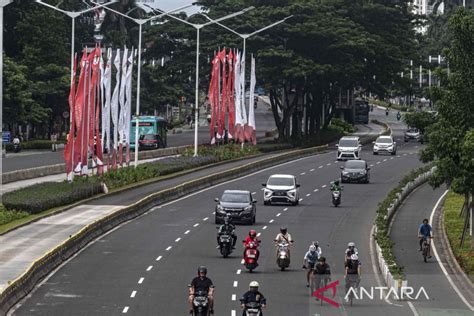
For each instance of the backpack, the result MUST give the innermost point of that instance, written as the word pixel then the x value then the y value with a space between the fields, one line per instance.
pixel 352 266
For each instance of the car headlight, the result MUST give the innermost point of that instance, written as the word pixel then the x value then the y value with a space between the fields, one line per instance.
pixel 220 209
pixel 376 146
pixel 248 208
pixel 345 173
pixel 267 192
pixel 292 192
pixel 362 172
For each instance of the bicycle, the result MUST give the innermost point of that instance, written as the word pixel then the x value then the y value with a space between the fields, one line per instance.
pixel 318 281
pixel 352 283
pixel 426 248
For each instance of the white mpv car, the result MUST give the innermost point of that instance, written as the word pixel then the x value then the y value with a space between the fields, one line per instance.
pixel 349 147
pixel 281 188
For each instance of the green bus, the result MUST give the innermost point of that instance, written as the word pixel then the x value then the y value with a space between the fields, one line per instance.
pixel 152 132
pixel 361 111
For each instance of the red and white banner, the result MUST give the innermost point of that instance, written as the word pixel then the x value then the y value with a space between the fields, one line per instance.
pixel 250 133
pixel 230 95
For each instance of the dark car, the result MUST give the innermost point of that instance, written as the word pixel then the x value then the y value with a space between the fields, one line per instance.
pixel 413 134
pixel 150 141
pixel 239 205
pixel 355 171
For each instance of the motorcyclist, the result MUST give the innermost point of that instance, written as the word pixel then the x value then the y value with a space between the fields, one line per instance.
pixel 251 296
pixel 16 143
pixel 351 249
pixel 203 283
pixel 283 237
pixel 398 115
pixel 309 261
pixel 425 231
pixel 352 273
pixel 252 237
pixel 335 186
pixel 321 271
pixel 227 229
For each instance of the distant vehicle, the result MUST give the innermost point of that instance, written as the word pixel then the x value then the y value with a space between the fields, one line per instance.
pixel 260 91
pixel 385 144
pixel 361 111
pixel 281 188
pixel 154 125
pixel 349 147
pixel 240 206
pixel 150 141
pixel 413 134
pixel 355 171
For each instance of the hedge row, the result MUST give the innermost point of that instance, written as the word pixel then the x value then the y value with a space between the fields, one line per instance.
pixel 44 196
pixel 381 236
pixel 33 144
pixel 9 216
pixel 341 126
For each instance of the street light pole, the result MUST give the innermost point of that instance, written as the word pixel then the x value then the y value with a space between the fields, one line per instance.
pixel 198 27
pixel 140 23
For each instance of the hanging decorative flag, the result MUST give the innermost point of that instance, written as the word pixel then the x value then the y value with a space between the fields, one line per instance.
pixel 107 82
pixel 114 106
pixel 213 97
pixel 128 107
pixel 243 111
pixel 238 103
pixel 223 98
pixel 250 132
pixel 230 95
pixel 69 149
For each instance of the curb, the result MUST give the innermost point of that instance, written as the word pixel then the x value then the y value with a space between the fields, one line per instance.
pixel 21 286
pixel 43 171
pixel 390 280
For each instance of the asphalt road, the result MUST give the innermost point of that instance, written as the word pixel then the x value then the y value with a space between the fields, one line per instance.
pixel 30 159
pixel 443 299
pixel 144 266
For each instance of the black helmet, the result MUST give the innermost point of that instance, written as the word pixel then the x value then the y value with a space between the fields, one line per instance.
pixel 283 230
pixel 322 259
pixel 336 182
pixel 202 269
pixel 426 221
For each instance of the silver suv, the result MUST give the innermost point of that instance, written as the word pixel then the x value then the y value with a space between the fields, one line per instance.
pixel 349 147
pixel 385 144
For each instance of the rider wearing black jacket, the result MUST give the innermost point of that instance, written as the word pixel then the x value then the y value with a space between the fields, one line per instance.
pixel 252 296
pixel 227 228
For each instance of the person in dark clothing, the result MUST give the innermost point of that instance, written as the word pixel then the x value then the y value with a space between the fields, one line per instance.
pixel 352 273
pixel 201 283
pixel 321 273
pixel 227 228
pixel 251 296
pixel 425 231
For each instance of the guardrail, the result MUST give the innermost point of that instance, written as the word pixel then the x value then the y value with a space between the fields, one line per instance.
pixel 390 280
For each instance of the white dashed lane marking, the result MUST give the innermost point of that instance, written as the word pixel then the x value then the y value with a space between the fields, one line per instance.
pixel 149 268
pixel 385 160
pixel 141 280
pixel 278 214
pixel 234 297
pixel 320 167
pixel 303 173
pixel 271 221
pixel 300 200
pixel 133 294
pixel 125 309
pixel 233 313
pixel 264 227
pixel 371 165
pixel 205 218
pixel 239 271
pixel 177 239
pixel 254 193
pixel 285 209
pixel 242 261
pixel 159 258
pixel 323 186
pixel 312 170
pixel 328 164
pixel 196 225
pixel 308 194
pixel 169 248
pixel 378 162
pixel 187 232
pixel 258 235
pixel 236 283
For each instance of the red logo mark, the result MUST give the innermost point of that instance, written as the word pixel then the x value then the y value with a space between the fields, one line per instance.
pixel 318 293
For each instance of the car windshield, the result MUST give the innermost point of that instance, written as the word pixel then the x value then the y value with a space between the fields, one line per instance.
pixel 348 143
pixel 412 130
pixel 281 181
pixel 384 140
pixel 355 164
pixel 233 197
pixel 147 137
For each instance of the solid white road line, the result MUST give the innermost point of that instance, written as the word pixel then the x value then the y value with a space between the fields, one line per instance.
pixel 236 283
pixel 159 258
pixel 141 280
pixel 169 248
pixel 458 292
pixel 234 297
pixel 125 310
pixel 177 239
pixel 187 232
pixel 239 271
pixel 413 309
pixel 149 268
pixel 133 294
pixel 196 225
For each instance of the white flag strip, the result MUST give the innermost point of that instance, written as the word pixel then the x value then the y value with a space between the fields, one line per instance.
pixel 102 98
pixel 128 102
pixel 108 89
pixel 242 90
pixel 251 101
pixel 115 98
pixel 238 112
pixel 123 83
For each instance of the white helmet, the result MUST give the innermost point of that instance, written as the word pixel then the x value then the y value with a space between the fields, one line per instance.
pixel 312 248
pixel 254 284
pixel 351 244
pixel 354 257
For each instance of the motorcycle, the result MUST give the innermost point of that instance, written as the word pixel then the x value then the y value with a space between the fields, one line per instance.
pixel 283 259
pixel 336 198
pixel 399 116
pixel 225 244
pixel 200 304
pixel 16 148
pixel 253 309
pixel 386 112
pixel 250 256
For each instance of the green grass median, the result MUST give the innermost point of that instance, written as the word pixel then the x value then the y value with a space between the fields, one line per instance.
pixel 453 225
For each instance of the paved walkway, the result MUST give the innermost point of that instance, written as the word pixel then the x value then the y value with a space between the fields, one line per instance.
pixel 443 299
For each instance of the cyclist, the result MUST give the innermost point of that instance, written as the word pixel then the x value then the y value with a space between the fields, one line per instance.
pixel 352 273
pixel 425 232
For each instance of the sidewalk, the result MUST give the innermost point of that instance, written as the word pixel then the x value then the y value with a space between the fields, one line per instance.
pixel 443 298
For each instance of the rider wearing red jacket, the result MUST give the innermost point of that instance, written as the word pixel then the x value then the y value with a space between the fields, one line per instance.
pixel 252 237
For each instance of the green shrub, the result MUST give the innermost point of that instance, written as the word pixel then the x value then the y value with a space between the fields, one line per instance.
pixel 43 196
pixel 224 152
pixel 381 236
pixel 9 216
pixel 341 126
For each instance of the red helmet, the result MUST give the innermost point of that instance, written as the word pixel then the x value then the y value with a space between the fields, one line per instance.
pixel 252 233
